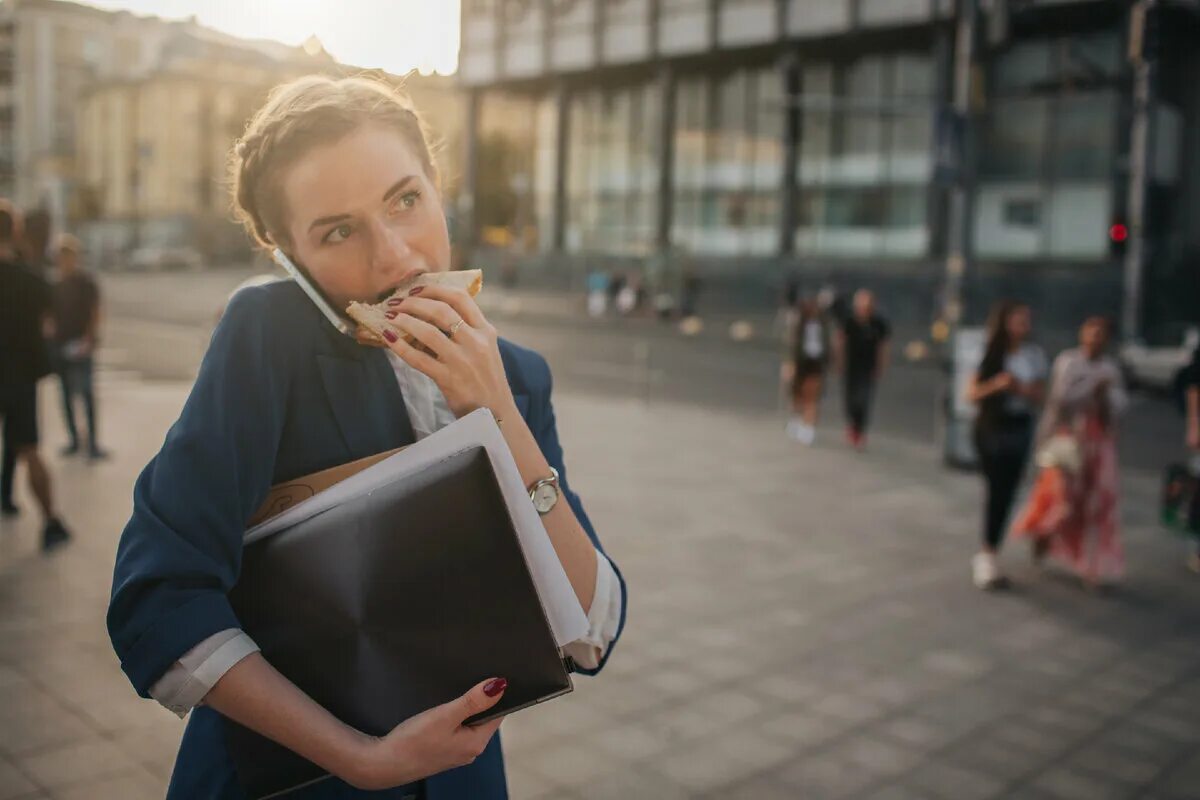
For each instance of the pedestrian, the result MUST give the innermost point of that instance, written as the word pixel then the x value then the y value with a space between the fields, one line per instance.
pixel 1072 513
pixel 1191 397
pixel 76 333
pixel 862 349
pixel 597 293
pixel 338 174
pixel 1008 389
pixel 809 354
pixel 24 360
pixel 690 295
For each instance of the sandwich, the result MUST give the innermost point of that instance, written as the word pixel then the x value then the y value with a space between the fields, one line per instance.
pixel 372 318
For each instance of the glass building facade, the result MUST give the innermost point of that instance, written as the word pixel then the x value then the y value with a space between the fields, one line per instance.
pixel 762 138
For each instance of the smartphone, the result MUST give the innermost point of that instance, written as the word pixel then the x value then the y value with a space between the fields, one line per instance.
pixel 336 319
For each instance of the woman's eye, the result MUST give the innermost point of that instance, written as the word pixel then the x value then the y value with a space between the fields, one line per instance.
pixel 338 234
pixel 408 200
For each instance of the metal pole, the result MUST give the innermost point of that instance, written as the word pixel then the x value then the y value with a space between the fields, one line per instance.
pixel 1140 168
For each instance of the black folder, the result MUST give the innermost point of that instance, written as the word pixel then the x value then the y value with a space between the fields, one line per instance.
pixel 391 603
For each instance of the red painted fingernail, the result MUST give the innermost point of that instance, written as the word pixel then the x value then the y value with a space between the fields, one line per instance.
pixel 395 301
pixel 495 686
pixel 390 336
pixel 392 314
pixel 416 290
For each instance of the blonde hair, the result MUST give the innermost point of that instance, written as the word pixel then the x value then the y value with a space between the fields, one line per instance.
pixel 302 114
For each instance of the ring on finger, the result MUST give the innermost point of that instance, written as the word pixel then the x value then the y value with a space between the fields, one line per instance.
pixel 454 328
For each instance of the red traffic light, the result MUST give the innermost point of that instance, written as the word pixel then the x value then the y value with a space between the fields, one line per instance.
pixel 1118 232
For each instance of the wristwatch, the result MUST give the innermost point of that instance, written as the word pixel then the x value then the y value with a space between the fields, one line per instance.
pixel 545 492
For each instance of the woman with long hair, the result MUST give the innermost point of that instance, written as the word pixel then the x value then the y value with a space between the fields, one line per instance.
pixel 809 354
pixel 1072 513
pixel 1007 388
pixel 339 175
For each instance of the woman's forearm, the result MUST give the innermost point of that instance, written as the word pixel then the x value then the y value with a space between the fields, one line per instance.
pixel 256 695
pixel 575 550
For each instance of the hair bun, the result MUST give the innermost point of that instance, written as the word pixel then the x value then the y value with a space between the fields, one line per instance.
pixel 240 149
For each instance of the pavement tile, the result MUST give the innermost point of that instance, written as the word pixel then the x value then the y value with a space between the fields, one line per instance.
pixel 947 781
pixel 13 782
pixel 822 776
pixel 1067 784
pixel 75 764
pixel 629 742
pixel 123 786
pixel 1182 778
pixel 572 765
pixel 630 783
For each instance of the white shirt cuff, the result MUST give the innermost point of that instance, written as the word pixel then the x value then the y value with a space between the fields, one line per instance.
pixel 604 618
pixel 185 685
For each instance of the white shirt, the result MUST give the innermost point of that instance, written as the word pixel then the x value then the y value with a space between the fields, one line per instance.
pixel 1027 364
pixel 189 680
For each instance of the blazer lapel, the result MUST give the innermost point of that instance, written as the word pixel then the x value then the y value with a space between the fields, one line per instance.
pixel 365 399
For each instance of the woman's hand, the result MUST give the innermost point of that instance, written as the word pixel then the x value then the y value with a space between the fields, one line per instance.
pixel 463 356
pixel 430 742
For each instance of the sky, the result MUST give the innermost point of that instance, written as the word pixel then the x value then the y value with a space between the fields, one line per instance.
pixel 395 35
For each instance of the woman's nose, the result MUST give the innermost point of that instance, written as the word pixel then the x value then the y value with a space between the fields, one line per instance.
pixel 391 248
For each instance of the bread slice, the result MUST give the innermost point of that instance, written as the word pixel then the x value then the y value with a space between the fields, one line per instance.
pixel 372 317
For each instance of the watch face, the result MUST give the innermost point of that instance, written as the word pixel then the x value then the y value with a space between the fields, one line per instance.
pixel 545 497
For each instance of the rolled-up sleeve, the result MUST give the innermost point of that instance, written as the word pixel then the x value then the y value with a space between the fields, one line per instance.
pixel 604 618
pixel 545 429
pixel 185 685
pixel 180 554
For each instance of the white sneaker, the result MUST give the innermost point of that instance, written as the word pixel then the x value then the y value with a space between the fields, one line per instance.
pixel 985 571
pixel 808 434
pixel 795 430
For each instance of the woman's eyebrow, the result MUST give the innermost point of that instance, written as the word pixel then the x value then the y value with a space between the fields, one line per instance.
pixel 395 188
pixel 316 223
pixel 398 186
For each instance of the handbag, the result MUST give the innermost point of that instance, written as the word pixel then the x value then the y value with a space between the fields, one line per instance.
pixel 1060 451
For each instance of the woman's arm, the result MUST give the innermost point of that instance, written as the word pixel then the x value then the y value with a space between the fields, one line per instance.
pixel 979 390
pixel 256 695
pixel 470 373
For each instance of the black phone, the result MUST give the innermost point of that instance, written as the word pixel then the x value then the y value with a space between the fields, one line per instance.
pixel 336 319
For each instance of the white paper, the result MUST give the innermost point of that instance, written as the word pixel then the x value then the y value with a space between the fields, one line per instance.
pixel 478 428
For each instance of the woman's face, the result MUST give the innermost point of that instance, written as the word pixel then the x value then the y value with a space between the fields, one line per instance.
pixel 1092 337
pixel 363 216
pixel 1019 324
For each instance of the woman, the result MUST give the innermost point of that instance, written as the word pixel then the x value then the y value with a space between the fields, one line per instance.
pixel 1072 513
pixel 337 173
pixel 809 358
pixel 1007 388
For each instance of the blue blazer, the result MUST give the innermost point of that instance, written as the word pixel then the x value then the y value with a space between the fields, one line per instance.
pixel 280 394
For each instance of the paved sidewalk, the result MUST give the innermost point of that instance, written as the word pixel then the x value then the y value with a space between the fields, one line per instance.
pixel 801 625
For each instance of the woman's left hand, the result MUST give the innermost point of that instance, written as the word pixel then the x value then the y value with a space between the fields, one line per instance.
pixel 463 356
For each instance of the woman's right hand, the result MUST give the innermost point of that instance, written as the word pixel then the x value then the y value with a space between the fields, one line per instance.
pixel 431 742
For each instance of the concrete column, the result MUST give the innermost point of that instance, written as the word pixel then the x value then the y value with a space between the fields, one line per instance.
pixel 666 156
pixel 562 137
pixel 789 74
pixel 468 228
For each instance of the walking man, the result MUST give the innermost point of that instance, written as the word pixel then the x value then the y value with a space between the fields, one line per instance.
pixel 76 329
pixel 862 353
pixel 24 360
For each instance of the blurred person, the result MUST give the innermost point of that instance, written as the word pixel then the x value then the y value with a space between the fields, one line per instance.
pixel 810 351
pixel 339 175
pixel 25 360
pixel 597 293
pixel 862 351
pixel 8 472
pixel 1008 388
pixel 76 304
pixel 1072 513
pixel 690 294
pixel 1191 397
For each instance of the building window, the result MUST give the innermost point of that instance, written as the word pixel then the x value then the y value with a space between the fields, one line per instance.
pixel 728 163
pixel 612 178
pixel 863 164
pixel 1047 146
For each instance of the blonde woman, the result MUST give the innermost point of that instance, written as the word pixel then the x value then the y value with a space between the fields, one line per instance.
pixel 339 175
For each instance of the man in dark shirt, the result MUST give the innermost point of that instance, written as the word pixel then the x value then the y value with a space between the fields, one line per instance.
pixel 24 306
pixel 862 349
pixel 76 324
